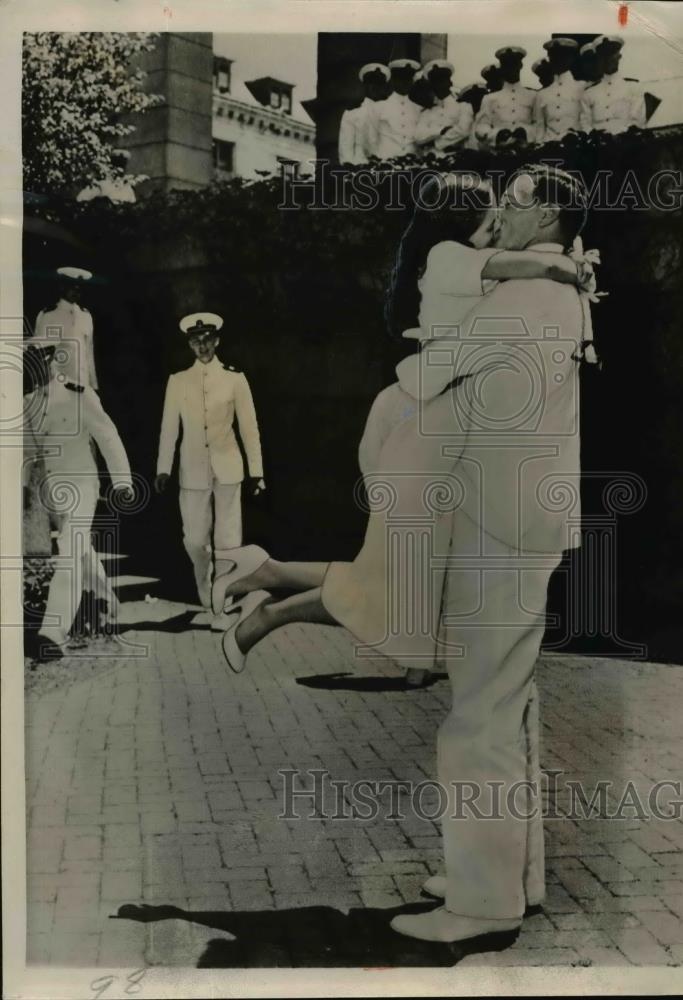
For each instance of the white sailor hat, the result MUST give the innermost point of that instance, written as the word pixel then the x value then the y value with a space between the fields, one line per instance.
pixel 490 70
pixel 74 273
pixel 609 41
pixel 510 52
pixel 374 68
pixel 437 64
pixel 588 49
pixel 469 88
pixel 404 64
pixel 203 322
pixel 560 43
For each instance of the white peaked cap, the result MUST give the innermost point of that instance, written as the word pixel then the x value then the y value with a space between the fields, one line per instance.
pixel 560 43
pixel 203 322
pixel 437 64
pixel 510 50
pixel 374 68
pixel 75 273
pixel 404 64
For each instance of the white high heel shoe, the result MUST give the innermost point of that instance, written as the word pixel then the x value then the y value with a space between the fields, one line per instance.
pixel 247 559
pixel 234 656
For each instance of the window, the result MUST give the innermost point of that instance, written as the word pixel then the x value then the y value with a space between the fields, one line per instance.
pixel 223 158
pixel 288 168
pixel 275 98
pixel 221 75
pixel 287 103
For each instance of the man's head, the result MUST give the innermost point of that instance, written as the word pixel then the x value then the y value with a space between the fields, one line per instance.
pixel 609 53
pixel 375 80
pixel 561 54
pixel 402 75
pixel 511 58
pixel 493 77
pixel 543 70
pixel 589 65
pixel 201 330
pixel 439 73
pixel 541 205
pixel 421 93
pixel 71 281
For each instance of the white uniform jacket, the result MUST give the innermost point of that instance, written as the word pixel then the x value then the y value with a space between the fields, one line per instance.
pixel 59 423
pixel 72 325
pixel 455 116
pixel 391 127
pixel 353 136
pixel 613 105
pixel 510 107
pixel 206 399
pixel 557 108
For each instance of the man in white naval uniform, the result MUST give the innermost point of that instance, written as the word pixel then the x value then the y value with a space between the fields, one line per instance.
pixel 71 323
pixel 448 122
pixel 509 109
pixel 353 134
pixel 392 122
pixel 61 421
pixel 557 108
pixel 205 400
pixel 517 444
pixel 614 104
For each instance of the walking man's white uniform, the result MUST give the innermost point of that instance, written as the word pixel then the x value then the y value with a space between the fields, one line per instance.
pixel 206 400
pixel 62 419
pixel 519 446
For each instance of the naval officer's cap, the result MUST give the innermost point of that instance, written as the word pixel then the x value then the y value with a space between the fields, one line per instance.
pixel 404 64
pixel 561 43
pixel 510 53
pixel 438 66
pixel 200 323
pixel 589 49
pixel 609 43
pixel 371 68
pixel 77 274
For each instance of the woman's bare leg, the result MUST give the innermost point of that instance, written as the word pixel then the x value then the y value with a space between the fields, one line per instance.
pixel 274 575
pixel 306 607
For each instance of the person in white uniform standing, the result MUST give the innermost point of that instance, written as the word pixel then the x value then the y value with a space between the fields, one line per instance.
pixel 510 108
pixel 614 104
pixel 557 109
pixel 448 122
pixel 206 400
pixel 353 136
pixel 69 325
pixel 392 122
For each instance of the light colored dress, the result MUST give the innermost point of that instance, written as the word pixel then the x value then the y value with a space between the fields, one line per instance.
pixel 389 596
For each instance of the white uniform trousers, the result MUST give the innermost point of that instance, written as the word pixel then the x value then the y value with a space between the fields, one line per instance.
pixel 198 519
pixel 494 610
pixel 74 548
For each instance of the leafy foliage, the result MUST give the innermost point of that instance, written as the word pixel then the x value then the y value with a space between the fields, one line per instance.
pixel 76 88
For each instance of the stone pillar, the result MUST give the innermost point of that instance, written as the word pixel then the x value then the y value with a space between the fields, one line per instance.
pixel 172 143
pixel 340 56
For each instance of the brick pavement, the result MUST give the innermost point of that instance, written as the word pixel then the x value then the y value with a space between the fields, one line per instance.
pixel 155 781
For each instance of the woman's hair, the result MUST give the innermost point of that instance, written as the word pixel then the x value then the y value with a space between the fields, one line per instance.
pixel 447 207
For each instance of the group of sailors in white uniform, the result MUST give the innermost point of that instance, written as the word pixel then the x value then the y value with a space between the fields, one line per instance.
pixel 407 109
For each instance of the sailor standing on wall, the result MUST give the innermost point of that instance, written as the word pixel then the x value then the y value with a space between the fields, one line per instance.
pixel 392 123
pixel 206 400
pixel 353 136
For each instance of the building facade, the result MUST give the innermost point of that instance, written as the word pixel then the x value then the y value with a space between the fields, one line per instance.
pixel 258 125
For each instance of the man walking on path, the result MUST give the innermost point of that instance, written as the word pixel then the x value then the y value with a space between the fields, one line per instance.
pixel 207 399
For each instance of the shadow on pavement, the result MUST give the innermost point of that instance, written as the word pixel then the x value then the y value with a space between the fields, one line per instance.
pixel 316 936
pixel 352 682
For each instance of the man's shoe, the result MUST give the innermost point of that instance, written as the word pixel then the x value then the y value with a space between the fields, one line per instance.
pixel 435 888
pixel 443 926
